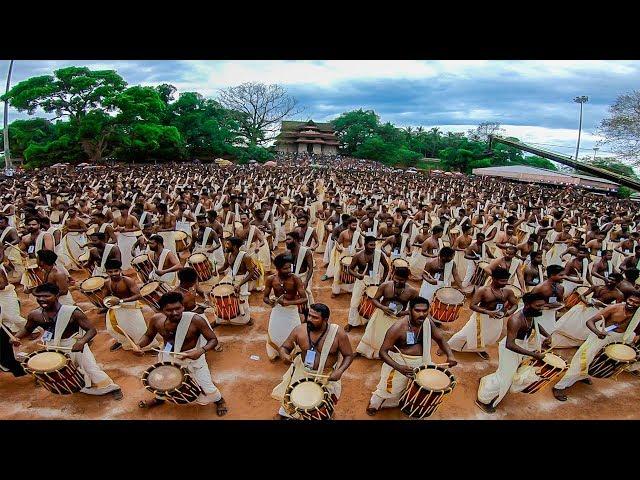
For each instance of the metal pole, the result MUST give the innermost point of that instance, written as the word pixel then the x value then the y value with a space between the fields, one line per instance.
pixel 7 156
pixel 595 150
pixel 579 132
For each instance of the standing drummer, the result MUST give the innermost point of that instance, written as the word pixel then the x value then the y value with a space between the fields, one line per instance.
pixel 165 262
pixel 324 353
pixel 438 272
pixel 100 252
pixel 63 326
pixel 406 346
pixel 189 335
pixel 553 291
pixel 190 290
pixel 239 273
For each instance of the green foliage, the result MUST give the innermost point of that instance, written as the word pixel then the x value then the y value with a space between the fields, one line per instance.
pixel 353 128
pixel 484 163
pixel 539 162
pixel 613 165
pixel 624 192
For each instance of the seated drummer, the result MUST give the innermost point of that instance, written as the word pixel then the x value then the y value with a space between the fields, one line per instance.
pixel 194 340
pixel 63 326
pixel 402 352
pixel 313 338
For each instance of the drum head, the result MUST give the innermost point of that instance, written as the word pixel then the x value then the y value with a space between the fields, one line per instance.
pixel 554 361
pixel 371 291
pixel 400 262
pixel 433 379
pixel 147 288
pixel 92 283
pixel 307 395
pixel 180 235
pixel 110 301
pixel 165 377
pixel 140 258
pixel 47 361
pixel 454 230
pixel 197 258
pixel 346 261
pixel 222 290
pixel 450 296
pixel 620 352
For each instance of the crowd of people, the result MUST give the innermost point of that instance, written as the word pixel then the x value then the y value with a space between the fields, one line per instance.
pixel 168 252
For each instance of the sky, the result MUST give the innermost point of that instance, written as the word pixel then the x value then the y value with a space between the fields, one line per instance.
pixel 533 100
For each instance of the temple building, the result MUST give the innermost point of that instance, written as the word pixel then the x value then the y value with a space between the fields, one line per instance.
pixel 307 137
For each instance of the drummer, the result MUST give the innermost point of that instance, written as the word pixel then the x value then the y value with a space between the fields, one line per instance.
pixel 100 252
pixel 406 346
pixel 100 224
pixel 9 305
pixel 204 239
pixel 239 270
pixel 348 243
pixel 631 261
pixel 390 300
pixel 125 225
pixel 324 353
pixel 165 262
pixel 474 253
pixel 63 326
pixel 511 264
pixel 553 291
pixel 187 338
pixel 439 272
pixel 490 304
pixel 628 285
pixel 127 313
pixel 615 323
pixel 522 340
pixel 53 274
pixel 576 271
pixel 308 235
pixel 533 271
pixel 369 267
pixel 302 265
pixel 36 239
pixel 289 295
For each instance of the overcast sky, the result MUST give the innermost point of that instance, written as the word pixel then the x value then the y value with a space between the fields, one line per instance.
pixel 531 99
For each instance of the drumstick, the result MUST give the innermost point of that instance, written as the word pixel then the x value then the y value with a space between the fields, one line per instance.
pixel 11 336
pixel 171 353
pixel 52 346
pixel 133 344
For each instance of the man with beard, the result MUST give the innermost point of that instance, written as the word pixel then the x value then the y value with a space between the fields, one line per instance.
pixel 166 227
pixel 324 353
pixel 511 264
pixel 348 244
pixel 50 273
pixel 522 340
pixel 289 295
pixel 251 235
pixel 74 238
pixel 439 272
pixel 190 290
pixel 490 305
pixel 267 232
pixel 99 224
pixel 125 226
pixel 571 329
pixel 553 291
pixel 63 326
pixel 187 338
pixel 390 300
pixel 124 319
pixel 100 252
pixel 615 323
pixel 165 262
pixel 241 271
pixel 533 271
pixel 369 267
pixel 628 285
pixel 411 338
pixel 302 263
pixel 308 235
pixel 632 261
pixel 370 224
pixel 433 244
pixel 36 239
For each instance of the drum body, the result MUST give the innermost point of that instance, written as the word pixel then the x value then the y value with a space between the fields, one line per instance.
pixel 480 275
pixel 612 359
pixel 307 399
pixel 93 289
pixel 144 266
pixel 55 371
pixel 454 234
pixel 182 240
pixel 345 276
pixel 548 368
pixel 151 293
pixel 446 304
pixel 574 298
pixel 225 301
pixel 426 391
pixel 202 265
pixel 366 306
pixel 36 274
pixel 395 263
pixel 171 382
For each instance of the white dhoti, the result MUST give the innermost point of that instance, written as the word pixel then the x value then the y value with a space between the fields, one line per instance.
pixel 554 255
pixel 479 332
pixel 355 319
pixel 571 328
pixel 469 271
pixel 10 309
pixel 548 320
pixel 374 334
pixel 417 262
pixel 128 317
pixel 125 242
pixel 569 287
pixel 171 278
pixel 320 231
pixel 97 382
pixel 427 290
pixel 69 250
pixel 199 370
pixel 281 322
pixel 169 240
pixel 264 256
pixel 184 226
pixel 328 252
pixel 461 263
pixel 392 383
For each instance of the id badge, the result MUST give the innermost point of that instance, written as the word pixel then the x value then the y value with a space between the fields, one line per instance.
pixel 611 328
pixel 31 249
pixel 437 276
pixel 47 337
pixel 599 253
pixel 310 359
pixel 371 273
pixel 499 306
pixel 553 299
pixel 168 347
pixel 411 338
pixel 393 306
pixel 535 281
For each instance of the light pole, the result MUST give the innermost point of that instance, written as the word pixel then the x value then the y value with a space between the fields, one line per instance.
pixel 595 151
pixel 7 156
pixel 581 100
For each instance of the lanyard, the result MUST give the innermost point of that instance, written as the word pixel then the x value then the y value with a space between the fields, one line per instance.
pixel 313 345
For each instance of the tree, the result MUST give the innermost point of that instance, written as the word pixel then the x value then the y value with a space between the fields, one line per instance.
pixel 539 162
pixel 260 109
pixel 621 129
pixel 482 131
pixel 353 128
pixel 23 133
pixel 613 165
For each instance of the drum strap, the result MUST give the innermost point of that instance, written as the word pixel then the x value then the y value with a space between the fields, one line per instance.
pixel 585 264
pixel 630 331
pixel 300 258
pixel 307 236
pixel 39 241
pixel 62 321
pixel 4 233
pixel 182 329
pixel 163 257
pixel 105 255
pixel 326 347
pixel 252 231
pixel 426 342
pixel 448 270
pixel 205 236
pixel 236 264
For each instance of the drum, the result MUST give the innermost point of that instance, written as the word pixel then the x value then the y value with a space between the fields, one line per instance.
pixel 182 240
pixel 171 382
pixel 574 298
pixel 612 359
pixel 254 267
pixel 446 304
pixel 55 371
pixel 202 265
pixel 366 306
pixel 479 277
pixel 93 289
pixel 35 274
pixel 151 293
pixel 548 368
pixel 307 399
pixel 144 266
pixel 454 234
pixel 395 263
pixel 345 276
pixel 426 391
pixel 225 302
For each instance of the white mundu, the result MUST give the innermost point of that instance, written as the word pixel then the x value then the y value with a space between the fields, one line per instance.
pixel 479 332
pixel 297 370
pixel 282 321
pixel 427 289
pixel 10 306
pixel 569 286
pixel 199 368
pixel 372 277
pixel 302 252
pixel 125 241
pixel 571 328
pixel 97 382
pixel 170 278
pixel 392 383
pixel 338 286
pixel 128 316
pixel 100 270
